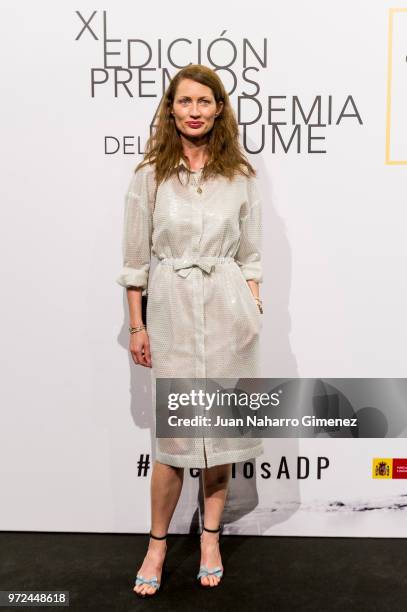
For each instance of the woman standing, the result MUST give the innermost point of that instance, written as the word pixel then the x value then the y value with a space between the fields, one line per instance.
pixel 194 203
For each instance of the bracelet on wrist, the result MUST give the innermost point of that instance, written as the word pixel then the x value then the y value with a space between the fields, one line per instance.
pixel 138 328
pixel 259 304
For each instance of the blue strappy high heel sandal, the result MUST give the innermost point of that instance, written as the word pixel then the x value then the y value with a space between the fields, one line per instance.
pixel 216 571
pixel 152 581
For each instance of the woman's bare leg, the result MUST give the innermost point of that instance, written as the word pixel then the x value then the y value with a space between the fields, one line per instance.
pixel 166 486
pixel 216 480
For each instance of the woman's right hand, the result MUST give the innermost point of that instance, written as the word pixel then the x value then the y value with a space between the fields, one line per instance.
pixel 140 348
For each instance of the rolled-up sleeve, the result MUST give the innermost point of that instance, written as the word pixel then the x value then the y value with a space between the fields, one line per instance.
pixel 248 255
pixel 137 232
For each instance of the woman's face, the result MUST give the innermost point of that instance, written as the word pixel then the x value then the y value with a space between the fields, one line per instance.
pixel 194 108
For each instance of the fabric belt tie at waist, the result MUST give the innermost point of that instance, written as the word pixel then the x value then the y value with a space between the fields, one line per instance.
pixel 184 266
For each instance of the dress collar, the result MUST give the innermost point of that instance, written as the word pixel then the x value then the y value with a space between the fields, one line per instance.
pixel 181 163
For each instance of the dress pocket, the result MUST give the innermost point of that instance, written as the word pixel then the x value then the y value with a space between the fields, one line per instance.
pixel 251 302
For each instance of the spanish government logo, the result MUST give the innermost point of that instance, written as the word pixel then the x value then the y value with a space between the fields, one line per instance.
pixel 394 468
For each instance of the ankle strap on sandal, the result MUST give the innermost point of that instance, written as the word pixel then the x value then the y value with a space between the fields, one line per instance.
pixel 157 537
pixel 212 530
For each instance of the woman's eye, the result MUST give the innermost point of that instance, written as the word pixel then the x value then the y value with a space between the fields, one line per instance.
pixel 187 101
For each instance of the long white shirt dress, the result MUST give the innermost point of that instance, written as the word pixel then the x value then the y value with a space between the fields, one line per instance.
pixel 202 319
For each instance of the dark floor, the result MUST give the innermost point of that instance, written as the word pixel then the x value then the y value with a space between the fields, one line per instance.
pixel 260 573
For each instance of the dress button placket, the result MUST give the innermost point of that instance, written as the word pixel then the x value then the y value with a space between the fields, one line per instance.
pixel 198 280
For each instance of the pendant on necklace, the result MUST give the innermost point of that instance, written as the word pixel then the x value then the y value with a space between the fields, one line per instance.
pixel 199 190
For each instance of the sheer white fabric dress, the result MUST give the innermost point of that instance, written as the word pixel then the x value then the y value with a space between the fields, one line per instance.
pixel 202 319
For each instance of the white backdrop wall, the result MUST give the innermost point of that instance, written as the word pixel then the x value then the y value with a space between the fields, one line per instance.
pixel 76 412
